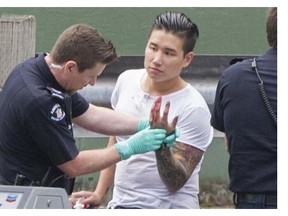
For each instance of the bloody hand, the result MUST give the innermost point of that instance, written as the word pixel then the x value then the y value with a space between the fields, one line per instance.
pixel 156 121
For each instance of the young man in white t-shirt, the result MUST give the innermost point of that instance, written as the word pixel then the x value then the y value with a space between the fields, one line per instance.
pixel 168 177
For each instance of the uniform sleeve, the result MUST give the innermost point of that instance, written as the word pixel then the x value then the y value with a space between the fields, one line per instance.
pixel 48 127
pixel 79 105
pixel 217 113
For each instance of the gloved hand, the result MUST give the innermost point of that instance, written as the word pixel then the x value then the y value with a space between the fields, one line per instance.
pixel 170 140
pixel 141 142
pixel 143 124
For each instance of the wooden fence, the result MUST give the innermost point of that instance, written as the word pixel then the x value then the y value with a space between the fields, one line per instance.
pixel 17 42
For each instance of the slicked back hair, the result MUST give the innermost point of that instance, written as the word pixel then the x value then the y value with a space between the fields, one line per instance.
pixel 180 25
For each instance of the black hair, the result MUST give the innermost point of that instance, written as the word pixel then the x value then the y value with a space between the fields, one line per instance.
pixel 180 25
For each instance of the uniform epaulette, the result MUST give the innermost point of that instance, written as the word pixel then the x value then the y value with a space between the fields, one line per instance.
pixel 56 93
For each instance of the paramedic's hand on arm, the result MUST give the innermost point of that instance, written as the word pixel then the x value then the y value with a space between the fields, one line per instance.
pixel 141 142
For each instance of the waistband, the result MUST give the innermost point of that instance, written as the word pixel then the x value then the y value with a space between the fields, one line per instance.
pixel 268 198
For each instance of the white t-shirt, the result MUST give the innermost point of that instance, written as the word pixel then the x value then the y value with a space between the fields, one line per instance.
pixel 137 182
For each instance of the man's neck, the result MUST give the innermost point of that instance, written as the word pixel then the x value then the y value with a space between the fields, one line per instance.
pixel 162 88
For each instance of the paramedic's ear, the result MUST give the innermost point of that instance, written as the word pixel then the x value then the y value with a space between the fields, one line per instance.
pixel 71 66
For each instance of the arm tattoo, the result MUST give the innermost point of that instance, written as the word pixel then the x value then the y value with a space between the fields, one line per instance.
pixel 175 166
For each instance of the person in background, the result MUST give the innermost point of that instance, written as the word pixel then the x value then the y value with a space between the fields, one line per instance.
pixel 39 104
pixel 245 109
pixel 167 178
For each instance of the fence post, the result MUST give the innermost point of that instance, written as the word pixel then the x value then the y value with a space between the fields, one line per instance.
pixel 17 42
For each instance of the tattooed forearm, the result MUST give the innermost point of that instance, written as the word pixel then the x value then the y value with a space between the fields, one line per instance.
pixel 175 166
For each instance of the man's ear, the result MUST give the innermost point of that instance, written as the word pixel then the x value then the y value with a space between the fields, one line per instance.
pixel 187 59
pixel 71 66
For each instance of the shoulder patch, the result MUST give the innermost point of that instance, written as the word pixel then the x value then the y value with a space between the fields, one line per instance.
pixel 57 113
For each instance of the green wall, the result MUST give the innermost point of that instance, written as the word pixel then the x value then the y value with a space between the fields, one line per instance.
pixel 222 30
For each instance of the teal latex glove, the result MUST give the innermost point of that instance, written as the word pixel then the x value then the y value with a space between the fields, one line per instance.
pixel 170 140
pixel 143 124
pixel 141 142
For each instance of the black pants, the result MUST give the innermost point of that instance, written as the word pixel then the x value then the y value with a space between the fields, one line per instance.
pixel 255 200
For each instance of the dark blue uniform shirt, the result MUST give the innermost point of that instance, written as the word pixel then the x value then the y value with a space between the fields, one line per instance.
pixel 240 113
pixel 35 124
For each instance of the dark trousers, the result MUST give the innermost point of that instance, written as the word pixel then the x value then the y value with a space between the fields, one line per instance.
pixel 255 200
